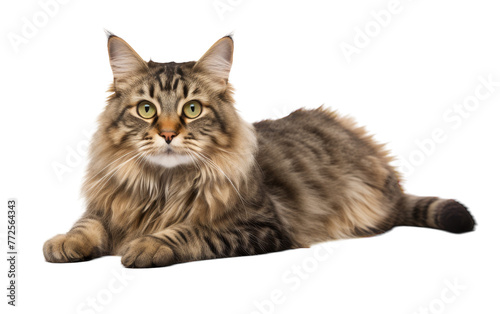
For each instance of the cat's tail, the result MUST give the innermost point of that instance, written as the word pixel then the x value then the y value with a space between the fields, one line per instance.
pixel 434 212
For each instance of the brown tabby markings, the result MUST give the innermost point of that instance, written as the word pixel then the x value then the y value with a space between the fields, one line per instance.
pixel 223 187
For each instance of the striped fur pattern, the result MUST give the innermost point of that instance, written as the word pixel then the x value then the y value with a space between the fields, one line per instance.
pixel 220 187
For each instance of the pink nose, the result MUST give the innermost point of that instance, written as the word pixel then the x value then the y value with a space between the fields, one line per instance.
pixel 168 135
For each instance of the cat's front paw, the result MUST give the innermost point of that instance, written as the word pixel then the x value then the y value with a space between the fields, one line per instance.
pixel 147 251
pixel 65 248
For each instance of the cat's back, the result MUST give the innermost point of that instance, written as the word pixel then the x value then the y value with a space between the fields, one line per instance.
pixel 315 135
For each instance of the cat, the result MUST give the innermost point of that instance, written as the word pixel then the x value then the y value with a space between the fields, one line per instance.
pixel 175 174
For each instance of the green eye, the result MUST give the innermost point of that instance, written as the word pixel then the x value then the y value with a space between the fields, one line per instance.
pixel 146 110
pixel 192 109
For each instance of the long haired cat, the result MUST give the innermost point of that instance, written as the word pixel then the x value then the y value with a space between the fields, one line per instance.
pixel 175 174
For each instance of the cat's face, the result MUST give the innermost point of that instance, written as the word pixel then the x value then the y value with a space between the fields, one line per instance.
pixel 171 114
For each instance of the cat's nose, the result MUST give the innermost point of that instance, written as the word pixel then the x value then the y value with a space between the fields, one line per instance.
pixel 168 135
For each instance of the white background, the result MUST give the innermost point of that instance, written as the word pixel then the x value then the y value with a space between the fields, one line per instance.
pixel 427 58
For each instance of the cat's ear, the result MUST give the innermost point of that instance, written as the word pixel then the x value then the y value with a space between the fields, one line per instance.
pixel 125 62
pixel 217 61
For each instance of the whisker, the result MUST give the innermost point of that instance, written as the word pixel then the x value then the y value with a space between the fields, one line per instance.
pixel 193 159
pixel 216 167
pixel 110 165
pixel 110 174
pixel 138 161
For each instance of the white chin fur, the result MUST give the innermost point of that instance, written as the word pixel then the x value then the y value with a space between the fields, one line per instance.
pixel 171 160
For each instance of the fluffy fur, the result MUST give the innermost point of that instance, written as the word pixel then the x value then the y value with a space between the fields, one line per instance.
pixel 222 187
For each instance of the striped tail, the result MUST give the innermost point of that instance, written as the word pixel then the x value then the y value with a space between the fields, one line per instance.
pixel 434 212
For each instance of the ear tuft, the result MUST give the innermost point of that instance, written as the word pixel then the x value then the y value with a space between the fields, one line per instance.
pixel 108 33
pixel 124 61
pixel 217 61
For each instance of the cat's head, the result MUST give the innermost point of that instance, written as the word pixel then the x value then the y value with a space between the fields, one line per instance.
pixel 173 114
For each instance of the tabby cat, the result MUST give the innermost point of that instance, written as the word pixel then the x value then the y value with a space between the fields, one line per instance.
pixel 175 174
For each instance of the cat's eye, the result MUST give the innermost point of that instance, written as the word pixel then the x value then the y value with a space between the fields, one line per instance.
pixel 192 109
pixel 146 110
